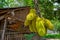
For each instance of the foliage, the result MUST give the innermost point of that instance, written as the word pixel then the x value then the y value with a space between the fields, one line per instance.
pixel 16 3
pixel 57 36
pixel 56 25
pixel 12 3
pixel 46 7
pixel 29 36
pixel 58 1
pixel 30 3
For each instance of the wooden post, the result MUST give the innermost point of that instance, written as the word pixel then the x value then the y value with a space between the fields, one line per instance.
pixel 4 28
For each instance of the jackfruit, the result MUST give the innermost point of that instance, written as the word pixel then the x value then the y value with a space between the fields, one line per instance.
pixel 27 22
pixel 48 24
pixel 40 27
pixel 31 15
pixel 32 27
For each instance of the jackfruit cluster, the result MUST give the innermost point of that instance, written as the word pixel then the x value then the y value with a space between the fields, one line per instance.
pixel 37 24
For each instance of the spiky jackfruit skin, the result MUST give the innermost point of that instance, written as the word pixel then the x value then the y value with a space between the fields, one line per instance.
pixel 27 22
pixel 31 15
pixel 40 27
pixel 32 26
pixel 48 24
